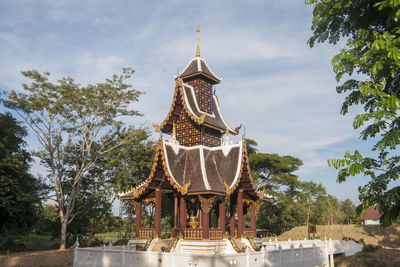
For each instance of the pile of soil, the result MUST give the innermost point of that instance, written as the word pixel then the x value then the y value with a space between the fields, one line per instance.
pixel 371 234
pixel 381 258
pixel 45 258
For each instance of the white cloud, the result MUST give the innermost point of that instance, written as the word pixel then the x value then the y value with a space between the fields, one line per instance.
pixel 281 89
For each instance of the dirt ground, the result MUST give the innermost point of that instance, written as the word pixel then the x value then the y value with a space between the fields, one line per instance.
pixel 53 258
pixel 371 234
pixel 379 258
pixel 44 258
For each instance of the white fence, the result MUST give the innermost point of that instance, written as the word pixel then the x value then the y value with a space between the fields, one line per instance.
pixel 121 256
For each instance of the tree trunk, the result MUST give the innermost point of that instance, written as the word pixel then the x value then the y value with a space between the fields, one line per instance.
pixel 63 239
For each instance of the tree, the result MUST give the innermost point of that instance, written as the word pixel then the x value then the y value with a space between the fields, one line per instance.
pixel 113 172
pixel 349 211
pixel 373 53
pixel 20 192
pixel 308 196
pixel 68 118
pixel 272 171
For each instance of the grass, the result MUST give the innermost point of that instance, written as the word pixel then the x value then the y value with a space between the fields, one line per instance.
pixel 37 242
pixel 28 242
pixel 108 237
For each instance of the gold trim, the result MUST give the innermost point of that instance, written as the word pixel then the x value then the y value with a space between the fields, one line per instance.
pixel 203 73
pixel 198 37
pixel 138 192
pixel 206 203
pixel 205 193
pixel 167 174
pixel 156 128
pixel 149 200
pixel 178 92
pixel 185 188
pixel 202 117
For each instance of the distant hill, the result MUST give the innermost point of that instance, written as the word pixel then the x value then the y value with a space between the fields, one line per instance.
pixel 372 234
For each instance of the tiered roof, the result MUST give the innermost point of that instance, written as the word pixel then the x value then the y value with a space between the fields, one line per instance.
pixel 184 100
pixel 198 66
pixel 198 170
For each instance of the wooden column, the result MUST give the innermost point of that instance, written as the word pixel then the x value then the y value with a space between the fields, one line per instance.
pixel 200 218
pixel 232 217
pixel 240 213
pixel 176 212
pixel 253 215
pixel 221 215
pixel 157 216
pixel 206 205
pixel 138 210
pixel 182 213
pixel 206 225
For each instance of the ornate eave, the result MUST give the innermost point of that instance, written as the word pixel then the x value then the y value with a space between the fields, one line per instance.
pixel 246 182
pixel 163 171
pixel 184 100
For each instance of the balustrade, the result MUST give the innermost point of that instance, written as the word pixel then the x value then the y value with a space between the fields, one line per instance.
pixel 193 233
pixel 216 234
pixel 249 232
pixel 146 233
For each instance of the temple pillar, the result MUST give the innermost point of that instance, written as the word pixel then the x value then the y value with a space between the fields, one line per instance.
pixel 182 213
pixel 253 215
pixel 221 215
pixel 200 218
pixel 176 212
pixel 232 217
pixel 138 210
pixel 206 205
pixel 157 216
pixel 206 225
pixel 240 212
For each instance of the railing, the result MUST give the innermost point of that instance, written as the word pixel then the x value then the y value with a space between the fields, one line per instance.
pixel 146 233
pixel 216 234
pixel 250 233
pixel 193 233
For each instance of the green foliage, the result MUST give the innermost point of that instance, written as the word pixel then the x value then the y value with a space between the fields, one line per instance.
pixel 293 202
pixel 74 125
pixel 31 241
pixel 272 171
pixel 48 221
pixel 372 52
pixel 20 192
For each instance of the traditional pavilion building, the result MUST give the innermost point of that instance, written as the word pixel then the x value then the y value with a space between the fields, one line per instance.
pixel 195 168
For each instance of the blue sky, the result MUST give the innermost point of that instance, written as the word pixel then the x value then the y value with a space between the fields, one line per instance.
pixel 282 90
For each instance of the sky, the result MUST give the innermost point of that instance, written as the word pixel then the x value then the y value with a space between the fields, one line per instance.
pixel 282 90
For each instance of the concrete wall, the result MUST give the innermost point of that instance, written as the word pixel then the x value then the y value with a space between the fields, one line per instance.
pixel 120 256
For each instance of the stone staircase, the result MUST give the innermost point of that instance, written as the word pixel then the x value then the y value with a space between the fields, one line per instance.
pixel 162 244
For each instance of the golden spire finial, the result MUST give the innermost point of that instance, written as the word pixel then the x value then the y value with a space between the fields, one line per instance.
pixel 198 37
pixel 173 129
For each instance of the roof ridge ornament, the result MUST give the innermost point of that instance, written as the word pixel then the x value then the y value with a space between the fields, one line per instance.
pixel 198 37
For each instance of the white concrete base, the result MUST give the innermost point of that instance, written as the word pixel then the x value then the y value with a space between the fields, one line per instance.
pixel 134 243
pixel 202 246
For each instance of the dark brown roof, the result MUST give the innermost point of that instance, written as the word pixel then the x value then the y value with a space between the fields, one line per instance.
pixel 205 169
pixel 185 100
pixel 198 170
pixel 371 213
pixel 198 66
pixel 215 119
